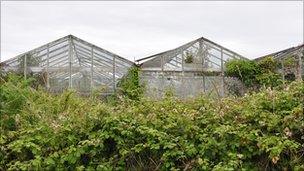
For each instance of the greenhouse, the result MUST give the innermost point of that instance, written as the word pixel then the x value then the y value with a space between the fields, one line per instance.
pixel 73 63
pixel 189 70
pixel 290 62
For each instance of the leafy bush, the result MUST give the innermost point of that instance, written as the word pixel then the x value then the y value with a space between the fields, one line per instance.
pixel 245 70
pixel 269 79
pixel 268 64
pixel 255 74
pixel 14 91
pixel 261 131
pixel 269 76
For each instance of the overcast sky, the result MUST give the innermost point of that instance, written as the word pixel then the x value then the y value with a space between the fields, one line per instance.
pixel 139 29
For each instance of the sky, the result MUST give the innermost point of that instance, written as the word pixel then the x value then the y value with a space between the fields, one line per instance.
pixel 134 29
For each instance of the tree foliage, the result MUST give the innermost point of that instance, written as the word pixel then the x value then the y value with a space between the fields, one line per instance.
pixel 261 131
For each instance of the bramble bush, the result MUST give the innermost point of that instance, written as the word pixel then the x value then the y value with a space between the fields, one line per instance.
pixel 41 131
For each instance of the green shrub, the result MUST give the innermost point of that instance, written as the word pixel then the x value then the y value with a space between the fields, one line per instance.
pixel 261 131
pixel 268 64
pixel 244 70
pixel 255 74
pixel 269 76
pixel 14 91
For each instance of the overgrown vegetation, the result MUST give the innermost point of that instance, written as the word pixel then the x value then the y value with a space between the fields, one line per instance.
pixel 255 74
pixel 130 86
pixel 245 70
pixel 40 131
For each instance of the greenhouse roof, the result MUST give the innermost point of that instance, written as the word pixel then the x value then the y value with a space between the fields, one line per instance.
pixel 72 62
pixel 283 53
pixel 207 56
